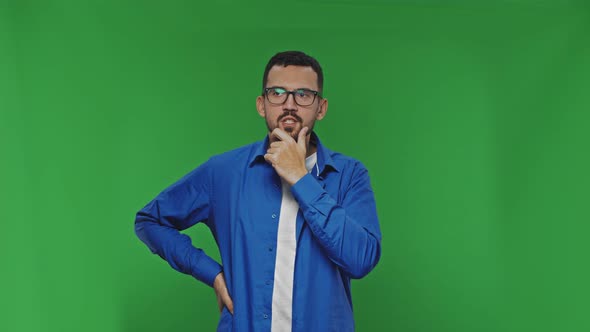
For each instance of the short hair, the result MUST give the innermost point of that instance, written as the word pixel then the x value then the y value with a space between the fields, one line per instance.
pixel 294 58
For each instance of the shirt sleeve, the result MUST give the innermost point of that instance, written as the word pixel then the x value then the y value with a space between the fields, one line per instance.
pixel 349 232
pixel 179 207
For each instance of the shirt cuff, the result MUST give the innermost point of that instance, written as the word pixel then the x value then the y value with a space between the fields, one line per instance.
pixel 306 190
pixel 208 270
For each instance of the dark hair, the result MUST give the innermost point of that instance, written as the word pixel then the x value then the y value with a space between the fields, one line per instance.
pixel 294 58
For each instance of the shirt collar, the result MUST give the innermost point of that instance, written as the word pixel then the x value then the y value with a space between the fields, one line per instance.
pixel 324 155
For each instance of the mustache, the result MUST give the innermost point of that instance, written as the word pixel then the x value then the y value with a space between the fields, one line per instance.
pixel 291 114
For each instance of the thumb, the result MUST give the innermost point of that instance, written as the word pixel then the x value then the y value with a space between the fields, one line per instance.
pixel 301 138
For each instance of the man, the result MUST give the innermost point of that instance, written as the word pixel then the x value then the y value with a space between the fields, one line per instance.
pixel 294 221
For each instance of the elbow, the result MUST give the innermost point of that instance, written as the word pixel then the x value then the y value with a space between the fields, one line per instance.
pixel 144 231
pixel 359 273
pixel 362 270
pixel 139 228
pixel 141 224
pixel 365 263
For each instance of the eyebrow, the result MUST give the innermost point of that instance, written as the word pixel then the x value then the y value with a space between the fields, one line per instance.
pixel 281 87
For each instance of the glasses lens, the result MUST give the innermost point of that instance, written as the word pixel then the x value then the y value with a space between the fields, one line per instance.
pixel 304 97
pixel 276 95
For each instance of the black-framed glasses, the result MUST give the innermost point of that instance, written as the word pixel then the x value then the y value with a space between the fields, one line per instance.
pixel 303 97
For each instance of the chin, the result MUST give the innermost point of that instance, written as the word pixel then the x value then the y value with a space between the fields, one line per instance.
pixel 291 130
pixel 294 132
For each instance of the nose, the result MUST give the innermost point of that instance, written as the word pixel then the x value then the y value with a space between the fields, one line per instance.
pixel 290 104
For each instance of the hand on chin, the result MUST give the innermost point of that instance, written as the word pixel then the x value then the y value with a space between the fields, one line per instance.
pixel 292 130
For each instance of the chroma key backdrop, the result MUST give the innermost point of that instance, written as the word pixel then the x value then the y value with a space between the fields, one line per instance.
pixel 472 117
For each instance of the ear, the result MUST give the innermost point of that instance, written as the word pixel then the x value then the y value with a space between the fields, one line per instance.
pixel 260 106
pixel 323 109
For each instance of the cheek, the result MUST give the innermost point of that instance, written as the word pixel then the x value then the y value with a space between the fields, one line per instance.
pixel 271 117
pixel 272 112
pixel 314 115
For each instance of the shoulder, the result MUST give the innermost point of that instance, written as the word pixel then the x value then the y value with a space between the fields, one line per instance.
pixel 223 164
pixel 344 163
pixel 351 174
pixel 234 157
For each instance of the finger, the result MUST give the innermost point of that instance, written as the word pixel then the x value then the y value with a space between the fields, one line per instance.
pixel 227 301
pixel 281 135
pixel 276 144
pixel 269 158
pixel 229 304
pixel 301 138
pixel 219 286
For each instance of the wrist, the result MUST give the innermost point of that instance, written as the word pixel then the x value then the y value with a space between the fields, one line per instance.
pixel 218 279
pixel 296 177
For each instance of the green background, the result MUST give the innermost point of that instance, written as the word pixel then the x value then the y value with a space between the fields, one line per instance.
pixel 472 117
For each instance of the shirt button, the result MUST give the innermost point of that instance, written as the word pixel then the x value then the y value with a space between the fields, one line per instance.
pixel 269 249
pixel 265 316
pixel 268 282
pixel 274 216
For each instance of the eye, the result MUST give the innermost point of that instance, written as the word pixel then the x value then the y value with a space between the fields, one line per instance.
pixel 277 91
pixel 304 94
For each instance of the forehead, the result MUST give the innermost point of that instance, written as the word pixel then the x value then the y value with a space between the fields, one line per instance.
pixel 292 77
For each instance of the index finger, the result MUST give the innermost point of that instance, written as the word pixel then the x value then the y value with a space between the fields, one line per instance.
pixel 281 135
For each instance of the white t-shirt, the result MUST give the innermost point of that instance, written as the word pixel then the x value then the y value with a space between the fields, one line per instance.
pixel 282 295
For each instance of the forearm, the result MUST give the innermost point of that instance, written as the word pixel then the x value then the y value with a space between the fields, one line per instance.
pixel 177 249
pixel 349 234
pixel 179 207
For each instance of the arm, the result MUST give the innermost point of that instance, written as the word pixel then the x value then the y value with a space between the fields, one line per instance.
pixel 179 207
pixel 348 232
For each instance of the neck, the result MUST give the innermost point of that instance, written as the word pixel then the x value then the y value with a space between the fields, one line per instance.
pixel 311 149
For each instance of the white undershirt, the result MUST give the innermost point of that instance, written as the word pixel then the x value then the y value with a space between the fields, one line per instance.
pixel 282 295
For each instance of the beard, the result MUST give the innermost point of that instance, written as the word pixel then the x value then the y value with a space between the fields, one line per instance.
pixel 291 131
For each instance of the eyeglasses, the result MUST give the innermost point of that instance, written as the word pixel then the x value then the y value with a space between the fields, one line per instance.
pixel 278 96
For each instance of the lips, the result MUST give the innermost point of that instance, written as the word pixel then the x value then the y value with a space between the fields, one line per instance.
pixel 289 121
pixel 289 118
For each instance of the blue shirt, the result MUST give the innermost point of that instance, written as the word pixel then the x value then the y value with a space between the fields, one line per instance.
pixel 238 196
